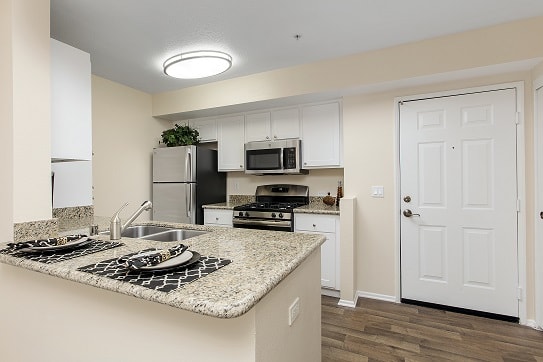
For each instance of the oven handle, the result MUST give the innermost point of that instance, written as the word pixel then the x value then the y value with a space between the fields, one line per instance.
pixel 284 223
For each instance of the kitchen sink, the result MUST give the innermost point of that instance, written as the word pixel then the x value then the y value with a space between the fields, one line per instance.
pixel 158 233
pixel 140 231
pixel 174 235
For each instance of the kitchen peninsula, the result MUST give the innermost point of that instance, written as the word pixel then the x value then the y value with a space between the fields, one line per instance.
pixel 239 312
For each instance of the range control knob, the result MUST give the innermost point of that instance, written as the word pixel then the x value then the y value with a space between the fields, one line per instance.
pixel 273 214
pixel 240 213
pixel 246 214
pixel 280 215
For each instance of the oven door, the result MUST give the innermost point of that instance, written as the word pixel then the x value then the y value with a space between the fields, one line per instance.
pixel 263 224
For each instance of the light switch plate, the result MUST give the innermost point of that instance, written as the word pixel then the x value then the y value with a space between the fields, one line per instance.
pixel 378 191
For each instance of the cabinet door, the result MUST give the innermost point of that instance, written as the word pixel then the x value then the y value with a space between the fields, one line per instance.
pixel 327 226
pixel 218 217
pixel 71 124
pixel 72 184
pixel 257 127
pixel 207 128
pixel 285 123
pixel 321 135
pixel 230 142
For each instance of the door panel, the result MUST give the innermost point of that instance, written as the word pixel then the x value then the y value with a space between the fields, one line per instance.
pixel 171 202
pixel 458 165
pixel 171 164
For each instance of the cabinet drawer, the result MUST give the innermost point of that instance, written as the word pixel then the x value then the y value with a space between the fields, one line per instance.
pixel 221 217
pixel 310 222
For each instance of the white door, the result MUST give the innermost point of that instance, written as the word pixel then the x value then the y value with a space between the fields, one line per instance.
pixel 458 179
pixel 539 209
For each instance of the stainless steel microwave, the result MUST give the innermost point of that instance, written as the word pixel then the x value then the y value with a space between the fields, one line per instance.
pixel 274 157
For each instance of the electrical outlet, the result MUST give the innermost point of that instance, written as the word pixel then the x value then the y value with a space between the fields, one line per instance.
pixel 293 311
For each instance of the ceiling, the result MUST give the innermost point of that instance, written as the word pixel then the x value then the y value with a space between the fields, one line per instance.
pixel 129 39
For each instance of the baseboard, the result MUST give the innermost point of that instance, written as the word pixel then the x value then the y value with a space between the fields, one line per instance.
pixel 533 324
pixel 347 303
pixel 330 292
pixel 383 297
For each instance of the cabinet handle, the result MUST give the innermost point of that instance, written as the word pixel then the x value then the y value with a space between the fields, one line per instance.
pixel 240 166
pixel 216 219
pixel 267 137
pixel 314 225
pixel 275 136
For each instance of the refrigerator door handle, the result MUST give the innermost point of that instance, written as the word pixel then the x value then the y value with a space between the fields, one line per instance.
pixel 187 199
pixel 188 176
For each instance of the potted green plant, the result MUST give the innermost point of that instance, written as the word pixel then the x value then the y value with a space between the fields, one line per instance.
pixel 180 136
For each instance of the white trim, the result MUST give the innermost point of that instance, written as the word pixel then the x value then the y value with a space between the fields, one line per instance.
pixel 383 297
pixel 347 303
pixel 521 180
pixel 330 292
pixel 538 235
pixel 533 324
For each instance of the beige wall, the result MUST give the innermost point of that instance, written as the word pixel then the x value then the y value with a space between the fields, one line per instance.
pixel 123 135
pixel 320 182
pixel 25 113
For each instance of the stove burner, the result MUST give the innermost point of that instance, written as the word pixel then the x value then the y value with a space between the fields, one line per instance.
pixel 274 206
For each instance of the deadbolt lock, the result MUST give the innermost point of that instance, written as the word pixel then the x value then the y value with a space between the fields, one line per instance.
pixel 407 198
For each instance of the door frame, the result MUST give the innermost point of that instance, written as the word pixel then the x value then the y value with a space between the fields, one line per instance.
pixel 521 181
pixel 538 167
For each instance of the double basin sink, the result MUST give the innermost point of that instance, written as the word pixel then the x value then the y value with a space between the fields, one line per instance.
pixel 158 233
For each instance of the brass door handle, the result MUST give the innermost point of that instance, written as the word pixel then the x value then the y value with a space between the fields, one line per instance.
pixel 409 213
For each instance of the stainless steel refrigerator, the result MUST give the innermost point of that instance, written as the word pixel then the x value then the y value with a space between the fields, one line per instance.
pixel 184 179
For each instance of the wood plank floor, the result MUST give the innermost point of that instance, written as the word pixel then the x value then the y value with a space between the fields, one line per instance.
pixel 384 331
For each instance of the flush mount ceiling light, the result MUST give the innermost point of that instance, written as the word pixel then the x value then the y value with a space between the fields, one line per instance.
pixel 198 64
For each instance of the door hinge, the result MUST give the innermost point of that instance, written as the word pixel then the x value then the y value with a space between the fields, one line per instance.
pixel 517 118
pixel 519 293
pixel 518 205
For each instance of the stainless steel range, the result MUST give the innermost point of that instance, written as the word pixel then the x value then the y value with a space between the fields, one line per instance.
pixel 273 207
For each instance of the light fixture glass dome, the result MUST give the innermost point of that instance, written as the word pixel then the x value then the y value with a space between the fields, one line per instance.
pixel 198 64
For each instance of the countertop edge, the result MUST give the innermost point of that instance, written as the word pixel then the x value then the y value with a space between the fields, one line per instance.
pixel 67 270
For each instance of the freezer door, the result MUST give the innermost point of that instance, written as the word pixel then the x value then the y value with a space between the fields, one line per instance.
pixel 174 164
pixel 174 202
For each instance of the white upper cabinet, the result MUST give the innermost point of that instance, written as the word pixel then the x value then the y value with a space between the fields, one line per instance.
pixel 257 127
pixel 71 123
pixel 207 128
pixel 321 135
pixel 285 123
pixel 277 124
pixel 230 143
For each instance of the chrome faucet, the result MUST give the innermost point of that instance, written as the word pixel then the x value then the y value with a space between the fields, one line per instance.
pixel 116 228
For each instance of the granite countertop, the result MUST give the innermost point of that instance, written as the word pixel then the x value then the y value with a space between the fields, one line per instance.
pixel 315 207
pixel 260 260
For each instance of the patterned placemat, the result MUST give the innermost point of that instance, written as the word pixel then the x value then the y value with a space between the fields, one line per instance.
pixel 58 256
pixel 165 281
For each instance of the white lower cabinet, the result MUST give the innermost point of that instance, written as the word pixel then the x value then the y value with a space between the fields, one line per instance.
pixel 218 217
pixel 328 225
